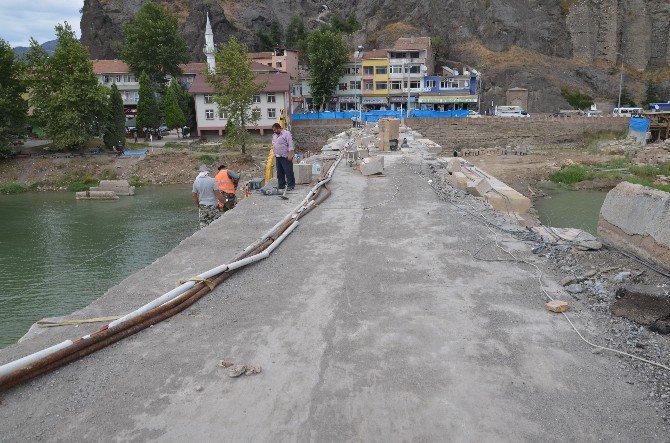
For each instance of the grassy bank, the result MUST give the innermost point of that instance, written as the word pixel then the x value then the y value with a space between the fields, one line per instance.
pixel 611 173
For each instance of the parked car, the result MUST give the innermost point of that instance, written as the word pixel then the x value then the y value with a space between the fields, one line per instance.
pixel 473 114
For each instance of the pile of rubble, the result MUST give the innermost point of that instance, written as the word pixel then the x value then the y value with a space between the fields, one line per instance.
pixel 507 150
pixel 633 150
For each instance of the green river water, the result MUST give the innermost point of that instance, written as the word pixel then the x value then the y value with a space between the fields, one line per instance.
pixel 58 254
pixel 564 208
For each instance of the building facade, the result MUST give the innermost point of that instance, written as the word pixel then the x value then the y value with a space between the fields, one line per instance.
pixel 454 89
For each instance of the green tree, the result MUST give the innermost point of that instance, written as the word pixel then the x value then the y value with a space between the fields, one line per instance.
pixel 114 134
pixel 652 94
pixel 346 26
pixel 296 35
pixel 65 94
pixel 153 43
pixel 576 99
pixel 276 33
pixel 148 111
pixel 326 55
pixel 174 116
pixel 265 42
pixel 12 104
pixel 235 85
pixel 627 100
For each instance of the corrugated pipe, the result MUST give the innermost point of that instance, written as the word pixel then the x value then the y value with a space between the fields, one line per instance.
pixel 165 306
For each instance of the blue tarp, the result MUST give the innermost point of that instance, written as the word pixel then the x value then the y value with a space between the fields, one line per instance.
pixel 374 116
pixel 639 124
pixel 143 152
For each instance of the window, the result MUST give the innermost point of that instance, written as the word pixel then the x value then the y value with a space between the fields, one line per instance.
pixel 430 84
pixel 257 98
pixel 277 64
pixel 107 79
pixel 396 69
pixel 449 84
pixel 119 78
pixel 415 69
pixel 271 98
pixel 368 86
pixel 272 113
pixel 415 84
pixel 351 71
pixel 413 55
pixel 342 87
pixel 256 113
pixel 368 70
pixel 209 99
pixel 355 85
pixel 381 70
pixel 381 86
pixel 222 114
pixel 396 85
pixel 209 114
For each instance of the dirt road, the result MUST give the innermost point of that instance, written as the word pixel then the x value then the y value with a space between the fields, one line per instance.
pixel 372 322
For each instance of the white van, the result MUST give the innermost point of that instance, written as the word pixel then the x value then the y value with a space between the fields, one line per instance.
pixel 627 112
pixel 510 111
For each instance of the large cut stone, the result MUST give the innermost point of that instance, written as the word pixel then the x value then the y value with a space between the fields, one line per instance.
pixel 459 181
pixel 453 165
pixel 637 219
pixel 302 173
pixel 372 165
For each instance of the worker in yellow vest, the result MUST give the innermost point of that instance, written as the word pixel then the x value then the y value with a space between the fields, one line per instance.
pixel 227 181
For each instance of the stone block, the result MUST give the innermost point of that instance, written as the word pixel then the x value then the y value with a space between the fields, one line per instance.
pixel 557 306
pixel 96 195
pixel 363 153
pixel 459 181
pixel 478 188
pixel 372 165
pixel 637 219
pixel 508 200
pixel 302 173
pixel 453 165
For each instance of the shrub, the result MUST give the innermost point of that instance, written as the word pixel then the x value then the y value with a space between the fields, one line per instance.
pixel 572 174
pixel 576 99
pixel 208 159
pixel 12 188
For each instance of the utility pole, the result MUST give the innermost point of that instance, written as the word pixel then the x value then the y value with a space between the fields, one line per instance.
pixel 359 55
pixel 620 84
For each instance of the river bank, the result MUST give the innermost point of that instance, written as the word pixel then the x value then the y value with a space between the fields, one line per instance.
pixel 162 165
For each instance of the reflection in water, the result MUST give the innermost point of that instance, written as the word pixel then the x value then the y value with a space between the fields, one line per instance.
pixel 571 209
pixel 58 254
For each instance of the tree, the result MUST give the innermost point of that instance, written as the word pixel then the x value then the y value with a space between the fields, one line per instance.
pixel 296 35
pixel 576 99
pixel 153 43
pixel 174 116
pixel 235 84
pixel 346 26
pixel 627 101
pixel 148 111
pixel 326 55
pixel 64 91
pixel 652 94
pixel 114 134
pixel 12 104
pixel 276 33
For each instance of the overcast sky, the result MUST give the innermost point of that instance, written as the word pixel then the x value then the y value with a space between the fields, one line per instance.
pixel 22 19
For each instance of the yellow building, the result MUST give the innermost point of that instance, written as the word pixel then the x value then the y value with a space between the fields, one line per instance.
pixel 375 79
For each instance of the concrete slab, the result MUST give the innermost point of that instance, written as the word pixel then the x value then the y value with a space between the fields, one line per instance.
pixel 459 181
pixel 422 342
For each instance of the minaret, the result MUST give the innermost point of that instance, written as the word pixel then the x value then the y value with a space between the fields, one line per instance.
pixel 209 49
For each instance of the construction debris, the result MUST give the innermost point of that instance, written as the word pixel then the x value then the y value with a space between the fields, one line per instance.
pixel 235 370
pixel 557 306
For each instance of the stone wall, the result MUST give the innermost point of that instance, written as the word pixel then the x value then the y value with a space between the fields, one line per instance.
pixel 313 134
pixel 495 131
pixel 636 219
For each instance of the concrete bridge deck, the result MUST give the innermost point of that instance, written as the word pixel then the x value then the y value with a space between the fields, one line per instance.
pixel 370 325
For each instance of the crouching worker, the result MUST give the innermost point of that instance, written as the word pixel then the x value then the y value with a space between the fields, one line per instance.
pixel 206 195
pixel 227 181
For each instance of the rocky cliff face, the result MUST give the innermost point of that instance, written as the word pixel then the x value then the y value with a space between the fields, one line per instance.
pixel 564 42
